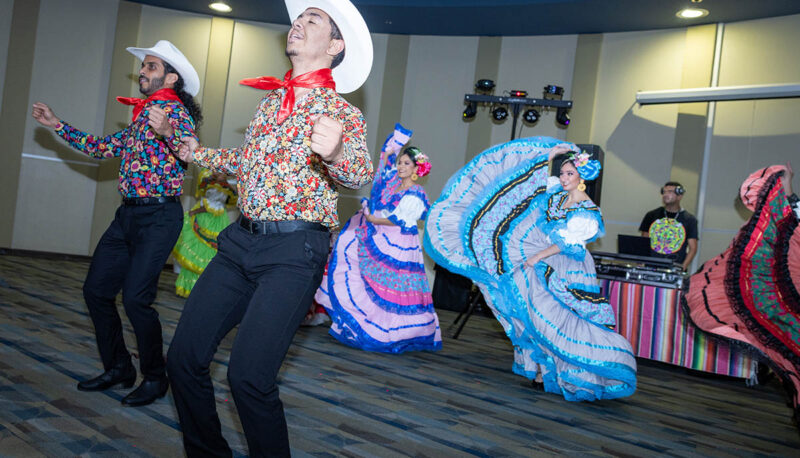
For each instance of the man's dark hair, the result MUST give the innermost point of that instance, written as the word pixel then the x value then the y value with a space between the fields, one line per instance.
pixel 186 99
pixel 336 34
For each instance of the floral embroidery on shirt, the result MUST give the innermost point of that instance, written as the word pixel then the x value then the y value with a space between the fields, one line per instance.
pixel 148 167
pixel 279 177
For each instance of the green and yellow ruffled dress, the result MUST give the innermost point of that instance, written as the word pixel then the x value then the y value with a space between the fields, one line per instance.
pixel 197 243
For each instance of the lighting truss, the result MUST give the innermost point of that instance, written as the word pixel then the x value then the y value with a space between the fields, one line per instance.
pixel 516 104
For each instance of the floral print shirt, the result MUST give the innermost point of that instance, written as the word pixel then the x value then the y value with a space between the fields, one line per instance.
pixel 279 177
pixel 148 167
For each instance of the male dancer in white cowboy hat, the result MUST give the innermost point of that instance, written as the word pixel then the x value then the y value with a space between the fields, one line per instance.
pixel 134 248
pixel 303 142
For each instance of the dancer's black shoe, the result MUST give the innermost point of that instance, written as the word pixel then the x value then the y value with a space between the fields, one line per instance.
pixel 148 391
pixel 123 376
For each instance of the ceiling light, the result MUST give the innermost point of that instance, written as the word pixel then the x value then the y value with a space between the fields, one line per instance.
pixel 222 7
pixel 692 13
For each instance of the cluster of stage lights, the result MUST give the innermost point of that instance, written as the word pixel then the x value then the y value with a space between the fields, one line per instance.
pixel 531 114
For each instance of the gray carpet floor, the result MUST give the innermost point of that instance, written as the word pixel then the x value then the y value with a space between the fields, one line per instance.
pixel 460 401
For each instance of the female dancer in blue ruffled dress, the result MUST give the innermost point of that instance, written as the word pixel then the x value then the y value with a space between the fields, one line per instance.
pixel 521 236
pixel 375 290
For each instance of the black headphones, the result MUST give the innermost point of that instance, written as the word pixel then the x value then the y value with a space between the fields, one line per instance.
pixel 678 189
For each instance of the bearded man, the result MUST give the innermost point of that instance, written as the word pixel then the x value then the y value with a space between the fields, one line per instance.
pixel 131 253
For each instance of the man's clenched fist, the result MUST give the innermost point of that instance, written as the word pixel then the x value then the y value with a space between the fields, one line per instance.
pixel 326 138
pixel 157 119
pixel 186 151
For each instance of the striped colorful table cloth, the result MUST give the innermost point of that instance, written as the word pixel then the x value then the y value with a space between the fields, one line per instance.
pixel 650 317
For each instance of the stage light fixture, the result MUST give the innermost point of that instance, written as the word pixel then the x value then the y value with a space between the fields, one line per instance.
pixel 530 116
pixel 552 91
pixel 470 111
pixel 500 113
pixel 562 117
pixel 484 85
pixel 518 93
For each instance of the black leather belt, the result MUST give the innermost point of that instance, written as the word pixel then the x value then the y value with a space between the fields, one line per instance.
pixel 277 227
pixel 149 200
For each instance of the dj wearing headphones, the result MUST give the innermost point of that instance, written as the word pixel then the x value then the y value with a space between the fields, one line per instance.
pixel 672 230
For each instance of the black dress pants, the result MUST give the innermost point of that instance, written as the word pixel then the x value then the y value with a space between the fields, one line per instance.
pixel 265 284
pixel 129 257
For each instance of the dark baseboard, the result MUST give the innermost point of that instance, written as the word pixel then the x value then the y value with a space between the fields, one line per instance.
pixel 52 256
pixel 44 255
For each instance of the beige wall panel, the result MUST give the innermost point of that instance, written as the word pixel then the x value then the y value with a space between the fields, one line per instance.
pixel 369 95
pixel 690 131
pixel 730 163
pixel 5 31
pixel 487 66
pixel 54 210
pixel 64 191
pixel 215 85
pixel 763 51
pixel 776 132
pixel 189 32
pixel 76 91
pixel 368 100
pixel 733 158
pixel 749 135
pixel 394 52
pixel 583 88
pixel 439 73
pixel 713 244
pixel 258 50
pixel 15 109
pixel 638 141
pixel 216 80
pixel 530 64
pixel 432 106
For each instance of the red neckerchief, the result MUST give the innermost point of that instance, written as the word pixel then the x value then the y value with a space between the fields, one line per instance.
pixel 166 94
pixel 317 78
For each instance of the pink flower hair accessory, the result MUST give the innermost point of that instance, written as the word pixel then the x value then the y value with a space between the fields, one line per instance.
pixel 423 168
pixel 420 160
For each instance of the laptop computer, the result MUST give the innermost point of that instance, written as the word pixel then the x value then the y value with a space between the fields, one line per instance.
pixel 635 245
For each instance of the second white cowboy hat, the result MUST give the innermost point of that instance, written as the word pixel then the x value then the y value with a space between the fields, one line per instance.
pixel 167 52
pixel 354 69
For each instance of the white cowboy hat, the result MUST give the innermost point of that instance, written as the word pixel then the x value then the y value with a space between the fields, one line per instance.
pixel 351 73
pixel 167 52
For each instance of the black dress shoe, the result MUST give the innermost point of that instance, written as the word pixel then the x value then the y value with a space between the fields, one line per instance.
pixel 121 376
pixel 148 391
